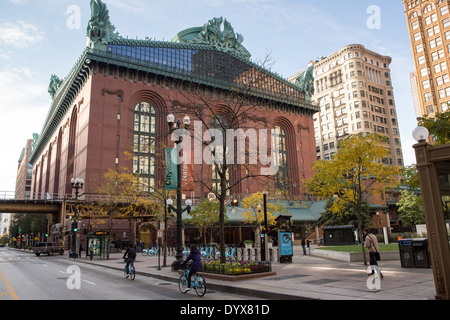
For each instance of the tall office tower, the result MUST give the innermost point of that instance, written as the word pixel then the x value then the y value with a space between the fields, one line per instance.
pixel 24 172
pixel 415 93
pixel 354 91
pixel 429 29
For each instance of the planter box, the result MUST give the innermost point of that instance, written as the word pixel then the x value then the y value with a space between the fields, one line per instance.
pixel 353 256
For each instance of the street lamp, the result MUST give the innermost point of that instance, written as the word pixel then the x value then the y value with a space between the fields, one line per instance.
pixel 420 134
pixel 176 265
pixel 77 184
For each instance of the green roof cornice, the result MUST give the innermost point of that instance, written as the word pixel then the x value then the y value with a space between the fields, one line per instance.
pixel 63 99
pixel 212 34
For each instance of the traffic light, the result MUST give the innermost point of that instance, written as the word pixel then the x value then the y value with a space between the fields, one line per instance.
pixel 74 226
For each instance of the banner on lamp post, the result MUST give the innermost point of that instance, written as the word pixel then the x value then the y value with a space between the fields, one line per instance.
pixel 171 172
pixel 187 173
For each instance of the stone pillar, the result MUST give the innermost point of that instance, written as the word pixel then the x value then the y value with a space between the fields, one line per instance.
pixel 427 156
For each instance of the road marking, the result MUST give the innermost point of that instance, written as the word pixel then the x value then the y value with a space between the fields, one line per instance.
pixel 4 294
pixel 9 286
pixel 89 282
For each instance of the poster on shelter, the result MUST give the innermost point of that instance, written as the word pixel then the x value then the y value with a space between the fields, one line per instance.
pixel 285 240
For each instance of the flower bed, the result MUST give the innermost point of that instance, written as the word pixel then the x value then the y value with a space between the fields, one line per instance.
pixel 235 268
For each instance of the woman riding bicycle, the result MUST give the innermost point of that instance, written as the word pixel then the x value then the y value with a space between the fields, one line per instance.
pixel 196 264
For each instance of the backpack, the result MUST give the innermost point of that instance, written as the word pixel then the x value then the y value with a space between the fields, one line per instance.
pixel 131 253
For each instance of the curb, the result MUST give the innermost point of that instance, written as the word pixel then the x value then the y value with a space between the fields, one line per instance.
pixel 253 293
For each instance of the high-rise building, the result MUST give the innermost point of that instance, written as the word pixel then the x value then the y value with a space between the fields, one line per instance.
pixel 353 89
pixel 429 29
pixel 24 172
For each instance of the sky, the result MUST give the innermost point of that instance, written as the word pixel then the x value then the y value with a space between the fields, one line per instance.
pixel 39 38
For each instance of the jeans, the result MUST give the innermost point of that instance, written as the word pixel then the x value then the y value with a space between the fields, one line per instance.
pixel 127 266
pixel 191 273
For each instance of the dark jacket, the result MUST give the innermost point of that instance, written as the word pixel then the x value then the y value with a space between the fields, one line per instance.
pixel 130 254
pixel 196 258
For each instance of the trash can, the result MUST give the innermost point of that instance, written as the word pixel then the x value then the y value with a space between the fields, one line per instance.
pixel 406 253
pixel 420 253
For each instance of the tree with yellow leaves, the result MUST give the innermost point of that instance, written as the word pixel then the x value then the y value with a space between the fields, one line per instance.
pixel 254 213
pixel 126 197
pixel 357 172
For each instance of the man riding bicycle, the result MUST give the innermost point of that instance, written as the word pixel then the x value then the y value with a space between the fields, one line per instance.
pixel 130 255
pixel 196 264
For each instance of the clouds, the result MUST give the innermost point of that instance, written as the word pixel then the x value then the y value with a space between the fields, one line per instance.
pixel 19 35
pixel 23 107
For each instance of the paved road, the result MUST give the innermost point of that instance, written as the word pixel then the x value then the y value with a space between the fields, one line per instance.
pixel 24 276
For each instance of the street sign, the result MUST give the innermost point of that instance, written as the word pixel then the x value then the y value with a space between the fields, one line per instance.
pixel 160 234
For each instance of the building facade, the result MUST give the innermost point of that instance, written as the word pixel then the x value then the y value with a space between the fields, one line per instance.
pixel 111 111
pixel 24 172
pixel 429 30
pixel 353 89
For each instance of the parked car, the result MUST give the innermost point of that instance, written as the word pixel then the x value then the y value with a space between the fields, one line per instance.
pixel 46 247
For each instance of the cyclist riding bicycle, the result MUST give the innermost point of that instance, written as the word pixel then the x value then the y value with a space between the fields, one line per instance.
pixel 196 264
pixel 130 255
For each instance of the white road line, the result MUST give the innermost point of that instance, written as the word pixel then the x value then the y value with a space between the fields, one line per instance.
pixel 89 282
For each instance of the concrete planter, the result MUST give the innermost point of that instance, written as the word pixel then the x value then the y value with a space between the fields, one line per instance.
pixel 353 256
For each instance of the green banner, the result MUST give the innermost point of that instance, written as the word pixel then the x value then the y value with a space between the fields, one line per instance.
pixel 171 172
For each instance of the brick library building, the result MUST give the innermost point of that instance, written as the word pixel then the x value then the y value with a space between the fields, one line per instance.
pixel 111 112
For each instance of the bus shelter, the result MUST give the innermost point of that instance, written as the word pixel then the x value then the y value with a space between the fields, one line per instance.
pixel 99 241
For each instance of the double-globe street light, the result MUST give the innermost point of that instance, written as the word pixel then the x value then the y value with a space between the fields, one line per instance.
pixel 77 184
pixel 176 265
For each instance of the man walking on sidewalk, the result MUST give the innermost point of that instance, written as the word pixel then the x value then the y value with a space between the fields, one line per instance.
pixel 371 243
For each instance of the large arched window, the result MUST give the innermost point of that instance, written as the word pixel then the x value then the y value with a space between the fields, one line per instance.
pixel 220 123
pixel 280 159
pixel 144 144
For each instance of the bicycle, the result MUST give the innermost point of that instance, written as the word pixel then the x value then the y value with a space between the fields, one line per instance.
pixel 131 271
pixel 199 283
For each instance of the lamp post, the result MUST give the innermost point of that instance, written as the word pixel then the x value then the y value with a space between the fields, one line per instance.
pixel 176 265
pixel 431 162
pixel 77 184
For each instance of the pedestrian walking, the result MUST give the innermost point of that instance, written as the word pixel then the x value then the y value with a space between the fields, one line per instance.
pixel 91 250
pixel 371 243
pixel 304 245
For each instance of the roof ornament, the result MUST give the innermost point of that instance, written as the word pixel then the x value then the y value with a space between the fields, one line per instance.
pixel 100 31
pixel 305 81
pixel 224 40
pixel 55 84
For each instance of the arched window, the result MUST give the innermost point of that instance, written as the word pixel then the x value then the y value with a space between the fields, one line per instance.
pixel 280 159
pixel 144 144
pixel 220 123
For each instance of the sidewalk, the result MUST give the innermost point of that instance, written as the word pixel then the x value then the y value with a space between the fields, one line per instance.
pixel 308 277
